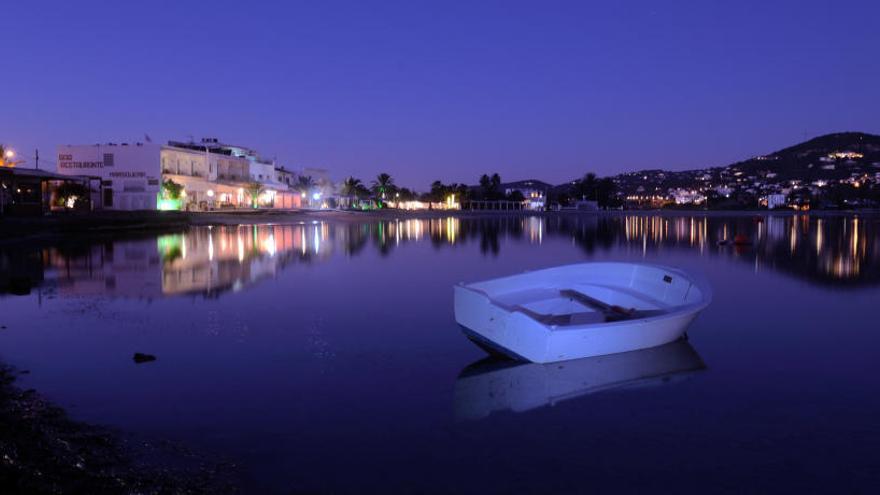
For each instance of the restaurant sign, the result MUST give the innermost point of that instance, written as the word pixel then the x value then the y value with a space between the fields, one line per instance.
pixel 66 161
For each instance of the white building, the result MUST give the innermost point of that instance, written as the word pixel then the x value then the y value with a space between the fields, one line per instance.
pixel 776 201
pixel 685 197
pixel 534 193
pixel 212 175
pixel 130 175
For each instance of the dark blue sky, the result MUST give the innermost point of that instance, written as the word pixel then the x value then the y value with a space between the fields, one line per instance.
pixel 446 90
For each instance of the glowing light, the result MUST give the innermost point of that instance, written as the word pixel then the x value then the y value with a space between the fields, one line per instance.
pixel 168 204
pixel 210 193
pixel 316 196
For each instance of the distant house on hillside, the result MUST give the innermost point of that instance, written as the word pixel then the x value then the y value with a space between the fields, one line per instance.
pixel 534 192
pixel 776 201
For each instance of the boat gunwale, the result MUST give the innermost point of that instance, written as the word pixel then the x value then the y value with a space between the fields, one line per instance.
pixel 675 311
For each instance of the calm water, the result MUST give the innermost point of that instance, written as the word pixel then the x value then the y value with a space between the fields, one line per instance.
pixel 325 357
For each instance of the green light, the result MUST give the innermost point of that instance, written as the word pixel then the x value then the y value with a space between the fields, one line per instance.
pixel 168 204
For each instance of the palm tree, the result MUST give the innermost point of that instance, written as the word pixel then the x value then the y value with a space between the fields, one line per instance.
pixel 438 191
pixel 461 191
pixel 305 183
pixel 485 185
pixel 496 181
pixel 490 186
pixel 606 192
pixel 383 185
pixel 254 189
pixel 586 187
pixel 352 188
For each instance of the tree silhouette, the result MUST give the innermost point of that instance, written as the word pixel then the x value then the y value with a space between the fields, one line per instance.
pixel 383 185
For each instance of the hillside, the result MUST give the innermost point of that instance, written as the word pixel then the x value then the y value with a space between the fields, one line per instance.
pixel 843 157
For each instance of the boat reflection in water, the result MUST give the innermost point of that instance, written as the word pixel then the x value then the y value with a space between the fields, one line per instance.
pixel 494 384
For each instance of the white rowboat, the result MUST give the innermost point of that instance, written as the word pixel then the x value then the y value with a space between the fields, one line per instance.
pixel 577 311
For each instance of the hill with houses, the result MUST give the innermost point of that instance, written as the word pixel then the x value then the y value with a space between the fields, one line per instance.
pixel 833 170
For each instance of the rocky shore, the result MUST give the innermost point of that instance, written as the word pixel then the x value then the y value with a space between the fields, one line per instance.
pixel 43 451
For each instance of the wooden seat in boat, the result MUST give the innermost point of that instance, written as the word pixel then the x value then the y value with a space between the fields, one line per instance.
pixel 602 311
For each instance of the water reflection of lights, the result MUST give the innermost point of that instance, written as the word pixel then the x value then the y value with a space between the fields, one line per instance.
pixel 269 245
pixel 317 240
pixel 302 233
pixel 451 229
pixel 255 249
pixel 827 249
pixel 655 230
pixel 535 227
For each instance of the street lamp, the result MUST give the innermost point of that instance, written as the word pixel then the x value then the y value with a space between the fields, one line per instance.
pixel 9 154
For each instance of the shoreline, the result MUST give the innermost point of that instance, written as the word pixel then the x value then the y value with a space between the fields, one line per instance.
pixel 43 450
pixel 109 224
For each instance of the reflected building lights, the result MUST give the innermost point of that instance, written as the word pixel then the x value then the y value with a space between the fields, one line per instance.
pixel 211 260
pixel 317 241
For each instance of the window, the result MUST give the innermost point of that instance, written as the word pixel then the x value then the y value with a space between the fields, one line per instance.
pixel 108 159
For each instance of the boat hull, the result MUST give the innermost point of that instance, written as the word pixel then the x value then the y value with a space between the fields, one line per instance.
pixel 519 336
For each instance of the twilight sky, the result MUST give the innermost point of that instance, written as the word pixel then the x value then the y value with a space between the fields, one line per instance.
pixel 443 90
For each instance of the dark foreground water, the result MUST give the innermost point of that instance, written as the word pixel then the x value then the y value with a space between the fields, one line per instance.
pixel 325 357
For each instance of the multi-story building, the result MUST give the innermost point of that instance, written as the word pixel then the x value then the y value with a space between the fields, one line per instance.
pixel 212 175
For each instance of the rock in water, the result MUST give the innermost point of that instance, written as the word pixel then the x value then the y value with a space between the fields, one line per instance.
pixel 143 358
